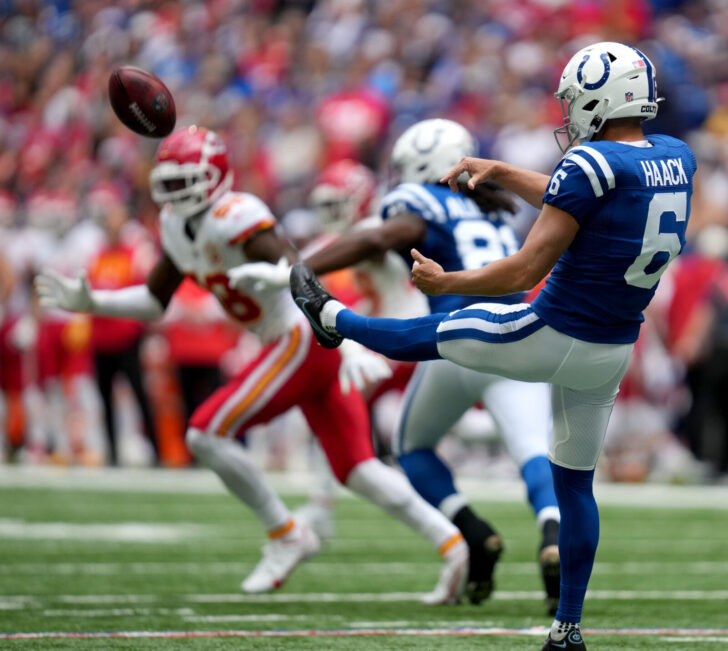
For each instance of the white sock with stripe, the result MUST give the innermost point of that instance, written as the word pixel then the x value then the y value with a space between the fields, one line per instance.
pixel 240 474
pixel 389 489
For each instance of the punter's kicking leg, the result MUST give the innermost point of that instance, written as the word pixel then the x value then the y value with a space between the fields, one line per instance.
pixel 514 342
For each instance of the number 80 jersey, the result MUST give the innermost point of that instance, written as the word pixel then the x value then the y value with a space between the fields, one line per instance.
pixel 459 236
pixel 632 203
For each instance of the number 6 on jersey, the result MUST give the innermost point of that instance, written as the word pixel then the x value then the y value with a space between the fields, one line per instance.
pixel 654 241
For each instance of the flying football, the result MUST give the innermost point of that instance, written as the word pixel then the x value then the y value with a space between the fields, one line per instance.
pixel 142 102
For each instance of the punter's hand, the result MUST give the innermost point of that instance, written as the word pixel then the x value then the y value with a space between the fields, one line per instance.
pixel 477 169
pixel 427 274
pixel 360 367
pixel 57 291
pixel 260 276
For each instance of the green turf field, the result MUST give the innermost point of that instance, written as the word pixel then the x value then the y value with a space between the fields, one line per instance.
pixel 104 558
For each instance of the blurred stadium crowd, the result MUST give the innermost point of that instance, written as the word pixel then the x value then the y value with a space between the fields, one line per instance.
pixel 294 86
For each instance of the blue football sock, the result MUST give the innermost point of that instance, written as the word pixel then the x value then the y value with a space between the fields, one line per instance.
pixel 429 475
pixel 536 472
pixel 408 340
pixel 578 537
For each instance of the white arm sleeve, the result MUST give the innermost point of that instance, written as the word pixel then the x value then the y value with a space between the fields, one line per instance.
pixel 135 302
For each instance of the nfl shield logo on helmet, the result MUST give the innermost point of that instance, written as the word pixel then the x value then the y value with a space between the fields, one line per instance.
pixel 628 96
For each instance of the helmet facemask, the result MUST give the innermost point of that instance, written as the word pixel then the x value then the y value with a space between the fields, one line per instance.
pixel 572 132
pixel 333 208
pixel 188 188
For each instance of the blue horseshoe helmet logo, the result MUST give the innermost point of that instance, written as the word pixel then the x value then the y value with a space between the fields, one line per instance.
pixel 600 82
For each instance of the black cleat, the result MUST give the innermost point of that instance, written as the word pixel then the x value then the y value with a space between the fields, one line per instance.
pixel 548 560
pixel 310 297
pixel 572 642
pixel 483 558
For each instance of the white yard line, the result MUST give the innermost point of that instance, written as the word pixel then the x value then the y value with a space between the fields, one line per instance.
pixel 298 483
pixel 64 568
pixel 34 601
pixel 228 619
pixel 121 532
pixel 116 612
pixel 694 635
pixel 695 640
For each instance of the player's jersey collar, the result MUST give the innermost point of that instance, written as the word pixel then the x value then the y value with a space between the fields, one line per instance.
pixel 636 143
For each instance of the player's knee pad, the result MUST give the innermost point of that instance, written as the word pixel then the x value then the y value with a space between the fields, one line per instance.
pixel 200 443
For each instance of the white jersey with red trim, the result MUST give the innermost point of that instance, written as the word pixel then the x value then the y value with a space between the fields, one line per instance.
pixel 212 244
pixel 385 282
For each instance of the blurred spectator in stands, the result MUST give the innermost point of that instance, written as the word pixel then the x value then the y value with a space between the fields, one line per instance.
pixel 295 84
pixel 124 259
pixel 7 282
pixel 696 334
pixel 69 405
pixel 198 333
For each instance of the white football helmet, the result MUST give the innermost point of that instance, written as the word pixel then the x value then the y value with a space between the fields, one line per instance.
pixel 430 149
pixel 603 82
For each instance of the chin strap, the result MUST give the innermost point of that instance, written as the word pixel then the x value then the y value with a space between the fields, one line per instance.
pixel 597 121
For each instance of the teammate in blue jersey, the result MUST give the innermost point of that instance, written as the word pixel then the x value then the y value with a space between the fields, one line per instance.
pixel 465 230
pixel 613 215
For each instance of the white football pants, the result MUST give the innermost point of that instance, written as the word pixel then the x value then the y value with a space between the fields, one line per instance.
pixel 584 376
pixel 440 392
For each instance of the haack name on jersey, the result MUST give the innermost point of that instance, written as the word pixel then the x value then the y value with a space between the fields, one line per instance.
pixel 668 172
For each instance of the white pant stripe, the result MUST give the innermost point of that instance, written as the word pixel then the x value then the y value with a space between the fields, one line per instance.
pixel 277 382
pixel 251 381
pixel 488 326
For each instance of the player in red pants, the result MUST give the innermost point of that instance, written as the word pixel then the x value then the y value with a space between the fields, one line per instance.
pixel 208 231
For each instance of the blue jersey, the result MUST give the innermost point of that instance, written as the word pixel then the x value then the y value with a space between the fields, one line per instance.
pixel 459 236
pixel 632 204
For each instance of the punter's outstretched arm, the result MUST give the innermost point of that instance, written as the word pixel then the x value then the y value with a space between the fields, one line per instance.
pixel 527 184
pixel 144 302
pixel 549 237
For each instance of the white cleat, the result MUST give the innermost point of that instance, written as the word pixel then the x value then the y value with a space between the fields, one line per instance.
pixel 280 557
pixel 318 518
pixel 453 577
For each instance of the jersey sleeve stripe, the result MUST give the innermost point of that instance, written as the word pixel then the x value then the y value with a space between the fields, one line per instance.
pixel 427 199
pixel 601 161
pixel 244 235
pixel 589 171
pixel 402 196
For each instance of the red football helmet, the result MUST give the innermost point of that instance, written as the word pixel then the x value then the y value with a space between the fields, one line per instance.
pixel 55 211
pixel 100 197
pixel 192 171
pixel 343 194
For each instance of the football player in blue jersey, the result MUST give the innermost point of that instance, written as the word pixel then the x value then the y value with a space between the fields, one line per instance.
pixel 465 230
pixel 613 215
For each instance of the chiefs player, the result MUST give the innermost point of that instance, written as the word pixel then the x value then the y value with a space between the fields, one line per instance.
pixel 207 233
